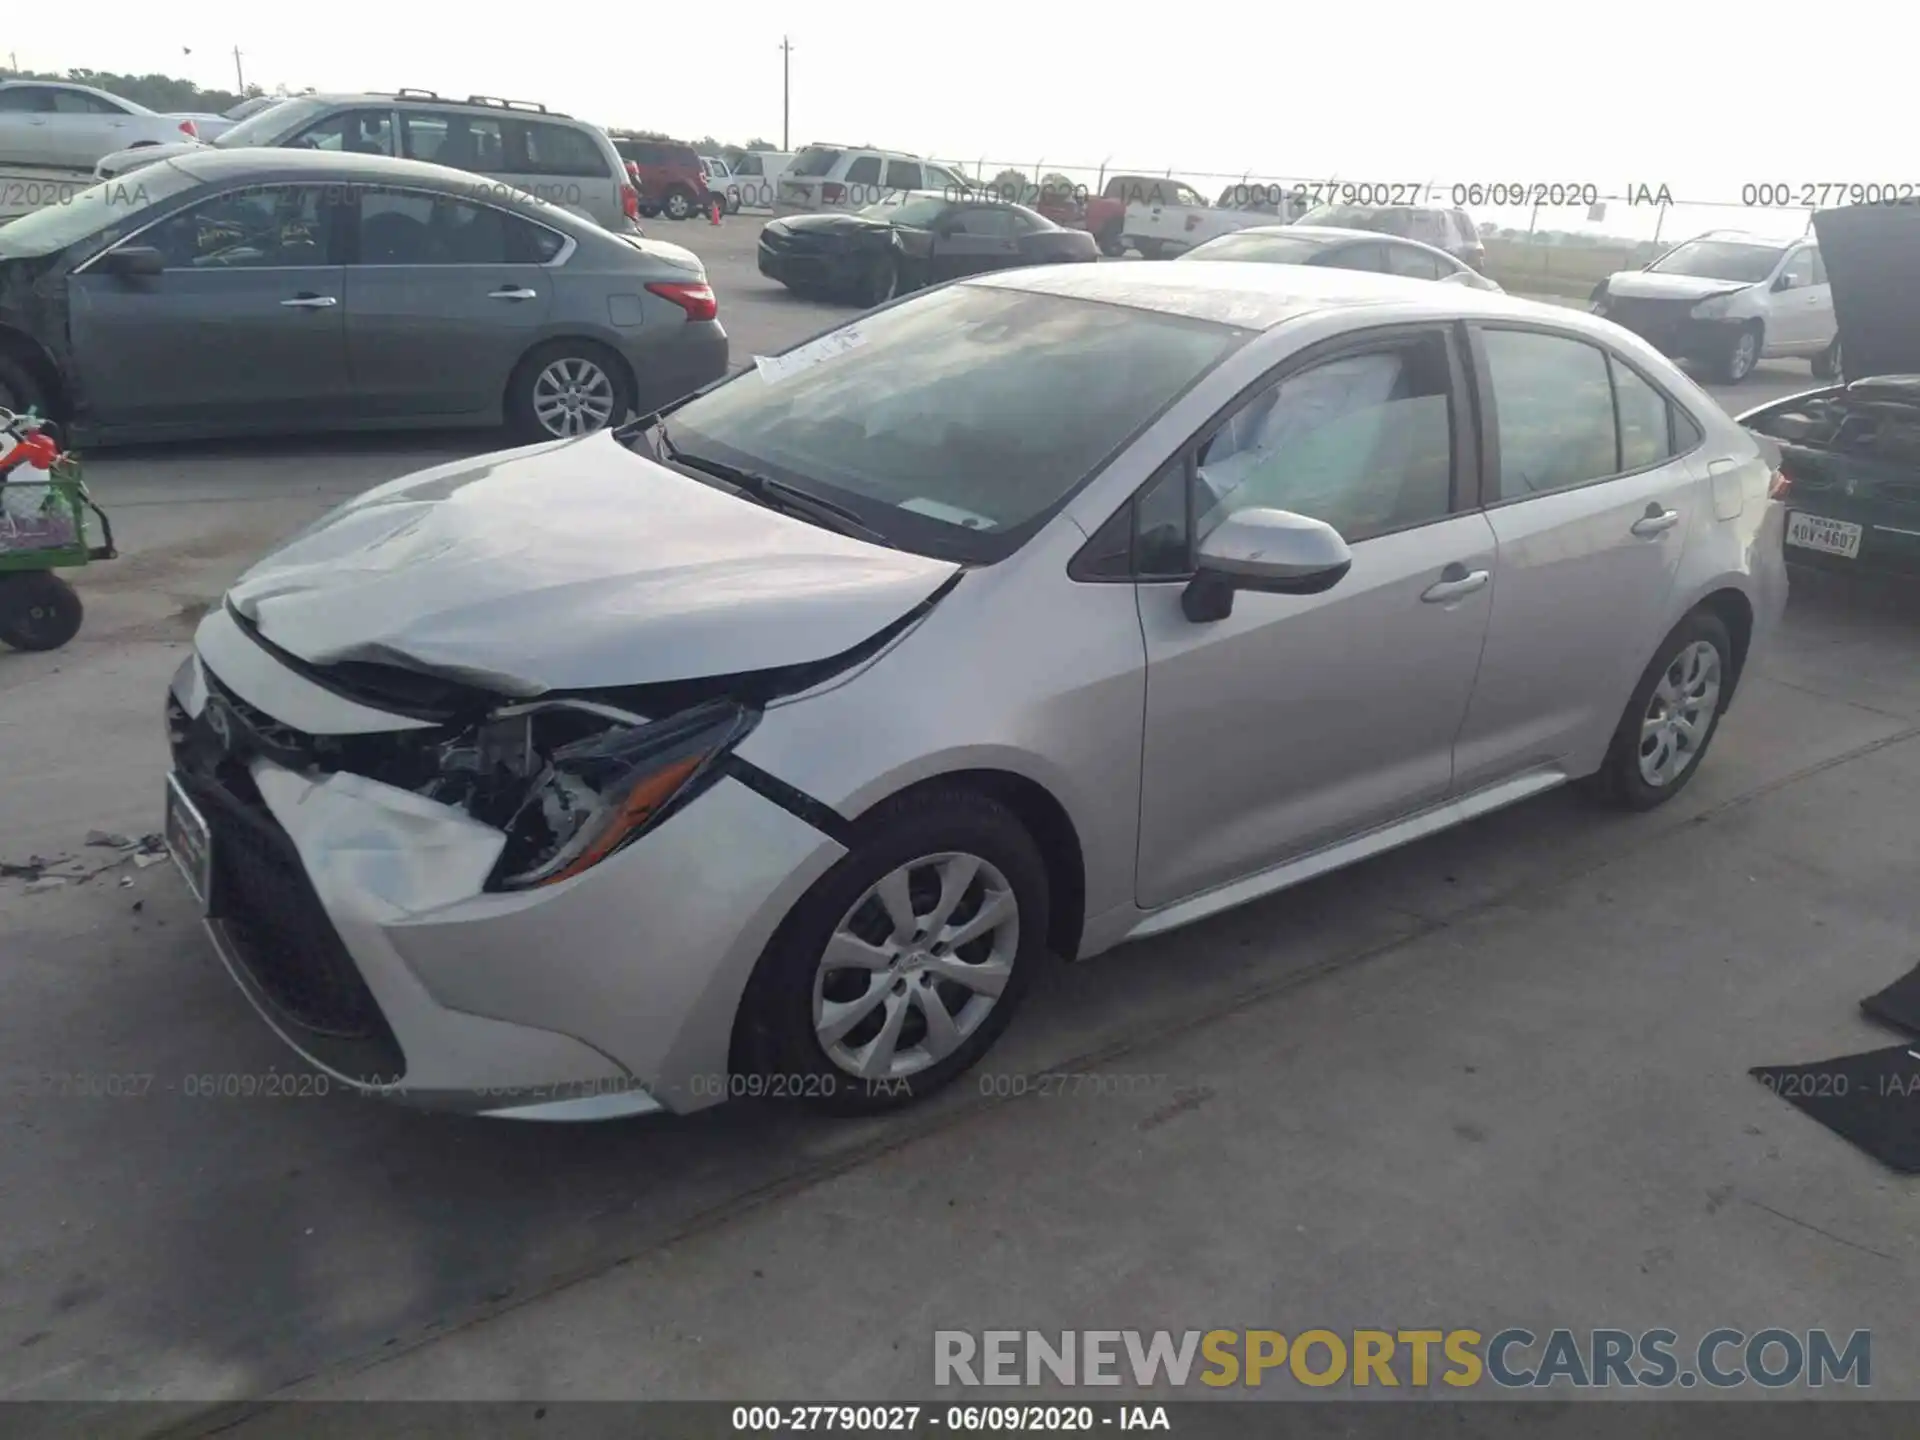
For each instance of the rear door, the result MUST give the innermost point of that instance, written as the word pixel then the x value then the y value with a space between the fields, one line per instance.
pixel 972 239
pixel 244 329
pixel 563 166
pixel 443 297
pixel 862 186
pixel 86 127
pixel 903 175
pixel 25 138
pixel 1591 517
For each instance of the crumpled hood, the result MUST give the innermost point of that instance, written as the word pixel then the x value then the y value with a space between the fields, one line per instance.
pixel 1872 255
pixel 574 564
pixel 122 162
pixel 1651 285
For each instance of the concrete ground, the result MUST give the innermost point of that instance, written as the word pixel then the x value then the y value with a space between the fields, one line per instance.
pixel 1496 1078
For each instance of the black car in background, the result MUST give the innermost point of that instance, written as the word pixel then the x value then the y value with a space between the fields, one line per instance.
pixel 1850 452
pixel 910 240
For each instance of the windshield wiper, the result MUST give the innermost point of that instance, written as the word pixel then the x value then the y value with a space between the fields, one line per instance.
pixel 775 494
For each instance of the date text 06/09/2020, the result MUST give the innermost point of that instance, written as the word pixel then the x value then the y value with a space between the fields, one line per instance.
pixel 934 1419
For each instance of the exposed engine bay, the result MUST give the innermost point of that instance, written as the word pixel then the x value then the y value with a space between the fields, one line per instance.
pixel 1866 436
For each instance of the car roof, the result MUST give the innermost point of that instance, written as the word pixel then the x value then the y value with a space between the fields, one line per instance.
pixel 1257 295
pixel 1746 237
pixel 269 163
pixel 1337 234
pixel 526 109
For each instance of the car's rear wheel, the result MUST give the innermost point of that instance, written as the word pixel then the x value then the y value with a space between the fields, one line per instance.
pixel 680 203
pixel 882 281
pixel 905 962
pixel 38 610
pixel 1826 365
pixel 1671 720
pixel 567 388
pixel 20 388
pixel 1741 354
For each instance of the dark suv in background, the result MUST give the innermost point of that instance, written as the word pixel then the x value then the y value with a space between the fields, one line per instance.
pixel 1448 230
pixel 668 174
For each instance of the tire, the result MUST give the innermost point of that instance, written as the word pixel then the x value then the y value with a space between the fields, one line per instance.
pixel 882 281
pixel 1150 249
pixel 561 370
pixel 928 839
pixel 649 212
pixel 1682 664
pixel 679 204
pixel 1741 355
pixel 1109 241
pixel 1826 365
pixel 38 610
pixel 20 388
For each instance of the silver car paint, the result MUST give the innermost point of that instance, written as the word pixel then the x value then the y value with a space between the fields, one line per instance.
pixel 517 575
pixel 661 938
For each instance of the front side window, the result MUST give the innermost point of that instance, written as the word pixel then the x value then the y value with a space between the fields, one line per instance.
pixel 749 166
pixel 413 227
pixel 352 132
pixel 920 212
pixel 1819 265
pixel 1798 272
pixel 963 417
pixel 1363 442
pixel 273 125
pixel 260 227
pixel 100 210
pixel 1555 406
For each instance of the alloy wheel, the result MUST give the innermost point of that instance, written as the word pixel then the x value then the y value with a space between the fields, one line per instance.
pixel 915 966
pixel 1680 714
pixel 1746 353
pixel 573 396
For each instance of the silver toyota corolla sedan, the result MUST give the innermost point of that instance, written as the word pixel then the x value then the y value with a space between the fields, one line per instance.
pixel 771 744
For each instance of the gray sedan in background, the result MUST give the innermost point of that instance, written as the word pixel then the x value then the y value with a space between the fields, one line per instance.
pixel 275 291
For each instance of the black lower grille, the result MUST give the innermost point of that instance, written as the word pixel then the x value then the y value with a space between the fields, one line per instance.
pixel 1644 313
pixel 275 925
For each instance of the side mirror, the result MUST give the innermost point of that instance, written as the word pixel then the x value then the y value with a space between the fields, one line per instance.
pixel 1274 551
pixel 1785 282
pixel 130 261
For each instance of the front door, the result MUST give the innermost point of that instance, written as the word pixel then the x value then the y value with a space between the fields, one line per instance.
pixel 443 298
pixel 973 239
pixel 1802 313
pixel 1591 519
pixel 243 330
pixel 1302 719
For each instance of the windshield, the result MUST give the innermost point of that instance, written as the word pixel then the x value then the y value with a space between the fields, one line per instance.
pixel 273 124
pixel 1720 260
pixel 814 161
pixel 1382 220
pixel 1271 249
pixel 957 421
pixel 919 211
pixel 108 205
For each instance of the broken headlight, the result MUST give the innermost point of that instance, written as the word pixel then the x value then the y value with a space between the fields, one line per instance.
pixel 571 782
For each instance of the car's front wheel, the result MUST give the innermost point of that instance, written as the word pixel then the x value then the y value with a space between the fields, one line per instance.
pixel 1670 721
pixel 1742 353
pixel 905 962
pixel 567 388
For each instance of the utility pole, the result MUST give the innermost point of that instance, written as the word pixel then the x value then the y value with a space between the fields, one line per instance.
pixel 239 79
pixel 786 93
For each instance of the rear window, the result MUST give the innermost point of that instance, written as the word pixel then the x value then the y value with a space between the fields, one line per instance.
pixel 815 160
pixel 562 150
pixel 962 418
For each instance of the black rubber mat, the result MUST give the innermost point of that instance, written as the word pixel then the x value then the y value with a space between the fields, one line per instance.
pixel 1899 1004
pixel 1871 1099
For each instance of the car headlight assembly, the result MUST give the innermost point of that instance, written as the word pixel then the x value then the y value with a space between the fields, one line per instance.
pixel 572 782
pixel 1714 307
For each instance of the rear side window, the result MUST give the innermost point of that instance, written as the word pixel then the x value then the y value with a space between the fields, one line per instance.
pixel 1646 433
pixel 864 171
pixel 1554 401
pixel 464 142
pixel 412 227
pixel 903 175
pixel 562 150
pixel 25 100
pixel 815 160
pixel 78 102
pixel 1405 260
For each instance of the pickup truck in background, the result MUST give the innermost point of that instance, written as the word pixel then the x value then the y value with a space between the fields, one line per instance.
pixel 1104 216
pixel 1158 226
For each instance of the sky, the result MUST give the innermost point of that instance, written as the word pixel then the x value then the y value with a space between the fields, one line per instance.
pixel 1616 95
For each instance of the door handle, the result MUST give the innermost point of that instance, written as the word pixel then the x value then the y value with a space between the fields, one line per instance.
pixel 512 292
pixel 310 302
pixel 1657 521
pixel 1456 580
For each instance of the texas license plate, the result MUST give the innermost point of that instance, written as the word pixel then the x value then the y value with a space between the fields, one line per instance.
pixel 189 841
pixel 1830 537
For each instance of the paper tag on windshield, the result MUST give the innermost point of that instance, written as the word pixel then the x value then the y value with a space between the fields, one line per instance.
pixel 775 368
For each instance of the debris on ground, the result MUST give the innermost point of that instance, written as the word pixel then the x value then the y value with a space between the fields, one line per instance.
pixel 32 870
pixel 109 840
pixel 49 882
pixel 149 857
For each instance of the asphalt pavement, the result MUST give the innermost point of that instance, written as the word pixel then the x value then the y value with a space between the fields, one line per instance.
pixel 1497 1077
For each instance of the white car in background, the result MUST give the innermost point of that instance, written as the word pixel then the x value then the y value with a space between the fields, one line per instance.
pixel 1728 300
pixel 63 126
pixel 1176 217
pixel 849 178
